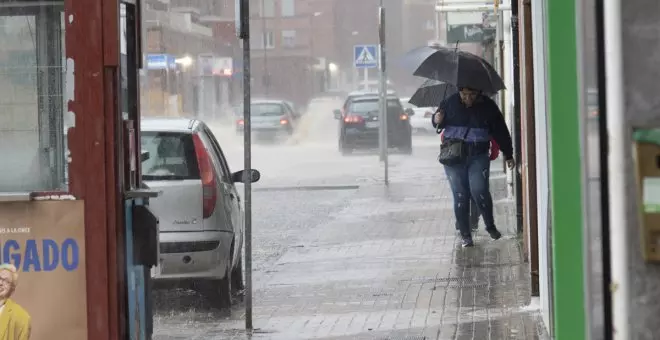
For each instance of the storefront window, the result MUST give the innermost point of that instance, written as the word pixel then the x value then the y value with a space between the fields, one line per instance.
pixel 32 96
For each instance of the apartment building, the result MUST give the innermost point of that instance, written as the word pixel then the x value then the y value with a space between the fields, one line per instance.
pixel 292 43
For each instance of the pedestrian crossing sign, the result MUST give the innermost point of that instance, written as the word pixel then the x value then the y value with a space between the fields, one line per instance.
pixel 365 56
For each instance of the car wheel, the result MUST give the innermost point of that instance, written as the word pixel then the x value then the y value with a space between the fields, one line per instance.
pixel 346 150
pixel 407 149
pixel 237 283
pixel 218 292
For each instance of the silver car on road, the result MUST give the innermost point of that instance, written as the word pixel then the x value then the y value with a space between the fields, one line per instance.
pixel 199 209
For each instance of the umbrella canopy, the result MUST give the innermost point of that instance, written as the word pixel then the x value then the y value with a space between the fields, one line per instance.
pixel 459 68
pixel 432 93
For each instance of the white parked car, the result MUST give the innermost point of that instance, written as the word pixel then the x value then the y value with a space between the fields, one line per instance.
pixel 199 209
pixel 421 120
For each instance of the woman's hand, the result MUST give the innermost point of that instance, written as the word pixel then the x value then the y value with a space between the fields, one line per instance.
pixel 438 117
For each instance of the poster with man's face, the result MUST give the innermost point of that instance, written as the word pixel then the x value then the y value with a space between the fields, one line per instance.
pixel 42 271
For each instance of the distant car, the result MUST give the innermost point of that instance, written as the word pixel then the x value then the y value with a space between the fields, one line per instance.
pixel 359 124
pixel 270 117
pixel 421 120
pixel 199 209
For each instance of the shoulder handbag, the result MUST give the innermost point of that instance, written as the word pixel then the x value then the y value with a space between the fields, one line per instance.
pixel 453 151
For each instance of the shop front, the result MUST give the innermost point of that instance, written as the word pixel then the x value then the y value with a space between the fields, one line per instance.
pixel 72 208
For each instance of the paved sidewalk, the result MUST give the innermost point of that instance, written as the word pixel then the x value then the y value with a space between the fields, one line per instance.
pixel 389 267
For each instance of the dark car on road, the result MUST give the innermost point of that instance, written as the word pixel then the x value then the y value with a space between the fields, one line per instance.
pixel 359 123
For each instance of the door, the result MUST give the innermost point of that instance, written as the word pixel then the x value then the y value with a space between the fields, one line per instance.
pixel 291 115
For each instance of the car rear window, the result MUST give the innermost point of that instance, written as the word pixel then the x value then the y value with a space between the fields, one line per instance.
pixel 171 156
pixel 265 110
pixel 364 107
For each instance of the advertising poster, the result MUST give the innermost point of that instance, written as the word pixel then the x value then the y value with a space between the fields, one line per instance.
pixel 42 271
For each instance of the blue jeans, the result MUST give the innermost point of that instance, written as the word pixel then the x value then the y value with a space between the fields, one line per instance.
pixel 471 179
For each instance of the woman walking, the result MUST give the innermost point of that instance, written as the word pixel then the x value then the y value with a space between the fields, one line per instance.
pixel 470 118
pixel 474 210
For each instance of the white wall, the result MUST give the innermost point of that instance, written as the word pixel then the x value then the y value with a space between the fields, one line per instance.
pixel 542 164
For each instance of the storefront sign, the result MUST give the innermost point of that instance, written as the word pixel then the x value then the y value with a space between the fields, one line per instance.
pixel 45 243
pixel 469 33
pixel 160 62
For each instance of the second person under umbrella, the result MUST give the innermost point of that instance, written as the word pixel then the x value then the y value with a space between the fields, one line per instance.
pixel 459 68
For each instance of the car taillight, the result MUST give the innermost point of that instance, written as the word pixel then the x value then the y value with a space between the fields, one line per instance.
pixel 207 174
pixel 403 116
pixel 353 119
pixel 284 121
pixel 428 114
pixel 240 122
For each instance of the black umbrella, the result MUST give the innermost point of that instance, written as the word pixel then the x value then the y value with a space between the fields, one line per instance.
pixel 450 65
pixel 431 93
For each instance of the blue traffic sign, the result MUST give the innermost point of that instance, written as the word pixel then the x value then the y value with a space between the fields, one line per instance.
pixel 160 62
pixel 365 56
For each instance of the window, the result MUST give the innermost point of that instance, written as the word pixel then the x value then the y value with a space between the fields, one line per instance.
pixel 32 118
pixel 267 8
pixel 226 172
pixel 171 156
pixel 265 109
pixel 289 38
pixel 288 8
pixel 266 40
pixel 367 107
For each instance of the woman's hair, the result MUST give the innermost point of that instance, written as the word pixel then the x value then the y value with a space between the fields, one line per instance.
pixel 12 269
pixel 470 89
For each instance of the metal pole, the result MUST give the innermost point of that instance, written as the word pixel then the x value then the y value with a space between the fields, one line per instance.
pixel 605 242
pixel 383 91
pixel 247 160
pixel 617 160
pixel 365 74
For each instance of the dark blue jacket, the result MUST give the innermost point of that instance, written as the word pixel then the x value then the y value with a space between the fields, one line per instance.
pixel 484 119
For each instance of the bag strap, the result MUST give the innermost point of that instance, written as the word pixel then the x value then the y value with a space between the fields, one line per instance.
pixel 469 127
pixel 466 133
